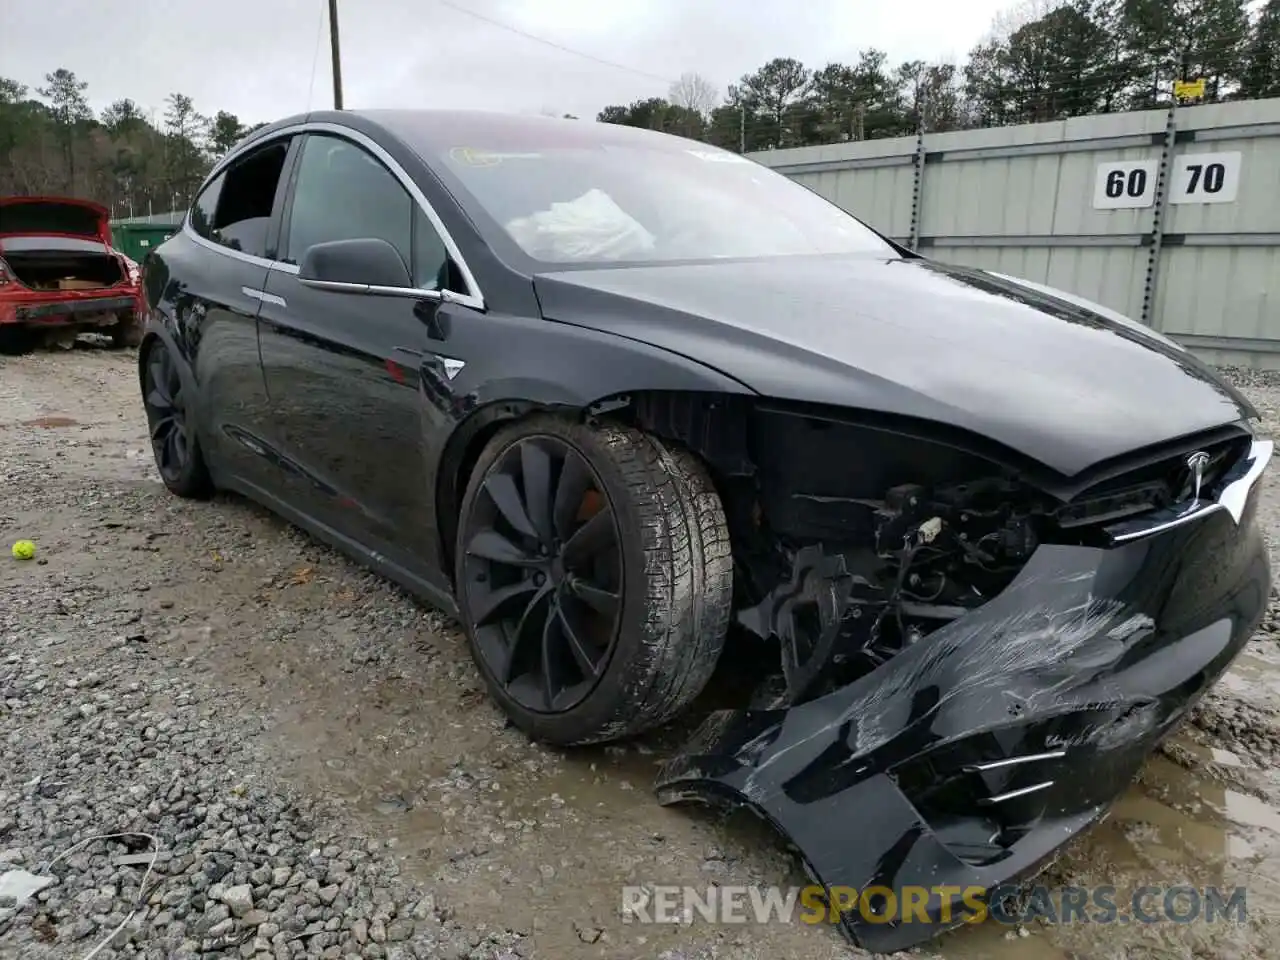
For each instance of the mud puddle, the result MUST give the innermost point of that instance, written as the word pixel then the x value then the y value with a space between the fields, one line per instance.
pixel 1198 817
pixel 1255 676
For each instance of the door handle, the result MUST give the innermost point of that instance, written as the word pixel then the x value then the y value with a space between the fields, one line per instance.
pixel 263 296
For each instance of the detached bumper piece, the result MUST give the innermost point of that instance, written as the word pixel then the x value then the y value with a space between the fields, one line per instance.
pixel 58 310
pixel 968 759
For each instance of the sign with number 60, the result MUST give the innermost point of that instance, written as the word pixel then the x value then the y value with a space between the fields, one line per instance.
pixel 1204 178
pixel 1125 183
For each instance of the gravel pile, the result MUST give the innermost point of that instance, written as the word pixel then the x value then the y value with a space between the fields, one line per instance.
pixel 1262 387
pixel 97 741
pixel 1249 380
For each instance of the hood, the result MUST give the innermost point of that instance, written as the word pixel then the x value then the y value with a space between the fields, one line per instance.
pixel 1053 377
pixel 54 217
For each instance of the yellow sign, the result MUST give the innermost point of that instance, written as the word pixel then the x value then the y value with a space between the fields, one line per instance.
pixel 1188 89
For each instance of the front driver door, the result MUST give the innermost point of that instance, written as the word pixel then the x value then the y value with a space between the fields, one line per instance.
pixel 342 369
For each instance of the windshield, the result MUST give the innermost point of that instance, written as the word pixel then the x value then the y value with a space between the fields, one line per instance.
pixel 643 203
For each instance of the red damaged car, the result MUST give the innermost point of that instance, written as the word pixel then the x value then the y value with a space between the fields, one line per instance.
pixel 59 274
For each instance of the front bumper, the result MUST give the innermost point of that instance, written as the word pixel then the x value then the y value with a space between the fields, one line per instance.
pixel 967 760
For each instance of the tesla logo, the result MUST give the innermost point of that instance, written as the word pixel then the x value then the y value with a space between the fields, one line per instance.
pixel 1196 464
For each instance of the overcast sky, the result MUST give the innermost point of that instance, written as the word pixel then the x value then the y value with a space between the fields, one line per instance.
pixel 263 59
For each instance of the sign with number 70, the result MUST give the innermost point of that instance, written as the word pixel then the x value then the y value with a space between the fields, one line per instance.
pixel 1204 178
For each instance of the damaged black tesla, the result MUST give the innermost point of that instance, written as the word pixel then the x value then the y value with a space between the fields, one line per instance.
pixel 627 405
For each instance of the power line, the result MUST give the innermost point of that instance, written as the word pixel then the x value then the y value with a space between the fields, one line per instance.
pixel 315 57
pixel 551 43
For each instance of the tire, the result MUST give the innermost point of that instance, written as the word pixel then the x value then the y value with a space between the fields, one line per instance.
pixel 16 340
pixel 675 582
pixel 174 443
pixel 127 332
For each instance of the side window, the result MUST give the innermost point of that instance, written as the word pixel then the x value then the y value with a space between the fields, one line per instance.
pixel 247 194
pixel 343 193
pixel 206 205
pixel 431 263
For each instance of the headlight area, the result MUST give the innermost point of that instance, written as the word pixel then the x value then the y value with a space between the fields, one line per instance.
pixel 854 538
pixel 865 540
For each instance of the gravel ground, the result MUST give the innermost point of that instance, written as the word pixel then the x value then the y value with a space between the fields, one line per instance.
pixel 312 760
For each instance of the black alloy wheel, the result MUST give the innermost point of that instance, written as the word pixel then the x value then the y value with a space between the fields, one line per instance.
pixel 173 441
pixel 593 577
pixel 166 414
pixel 544 574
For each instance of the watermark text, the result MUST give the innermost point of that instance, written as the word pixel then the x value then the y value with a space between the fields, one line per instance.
pixel 946 905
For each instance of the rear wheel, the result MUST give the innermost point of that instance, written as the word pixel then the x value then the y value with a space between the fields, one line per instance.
pixel 127 332
pixel 173 439
pixel 593 576
pixel 15 339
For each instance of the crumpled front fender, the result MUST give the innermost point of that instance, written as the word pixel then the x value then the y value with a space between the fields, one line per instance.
pixel 969 758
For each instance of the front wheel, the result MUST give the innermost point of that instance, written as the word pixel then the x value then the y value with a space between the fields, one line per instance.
pixel 594 578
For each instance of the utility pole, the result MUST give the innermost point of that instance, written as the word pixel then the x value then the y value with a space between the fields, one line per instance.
pixel 333 49
pixel 742 129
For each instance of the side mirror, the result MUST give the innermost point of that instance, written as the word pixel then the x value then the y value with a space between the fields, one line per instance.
pixel 353 265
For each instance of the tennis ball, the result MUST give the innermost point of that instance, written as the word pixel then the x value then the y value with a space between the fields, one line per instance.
pixel 24 550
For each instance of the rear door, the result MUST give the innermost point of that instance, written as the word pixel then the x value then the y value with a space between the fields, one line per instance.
pixel 344 370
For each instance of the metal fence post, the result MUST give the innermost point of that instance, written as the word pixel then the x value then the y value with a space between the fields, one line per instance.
pixel 917 186
pixel 1156 237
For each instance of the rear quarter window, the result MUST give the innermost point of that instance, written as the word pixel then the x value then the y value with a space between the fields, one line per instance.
pixel 206 205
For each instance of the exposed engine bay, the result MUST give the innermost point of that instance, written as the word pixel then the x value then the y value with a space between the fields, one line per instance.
pixel 918 557
pixel 854 540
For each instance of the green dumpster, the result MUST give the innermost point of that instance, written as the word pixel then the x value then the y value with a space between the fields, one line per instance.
pixel 138 236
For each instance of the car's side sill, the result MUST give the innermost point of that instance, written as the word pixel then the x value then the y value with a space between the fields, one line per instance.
pixel 376 562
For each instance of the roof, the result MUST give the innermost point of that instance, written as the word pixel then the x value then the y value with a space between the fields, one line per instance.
pixel 436 131
pixel 440 131
pixel 172 218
